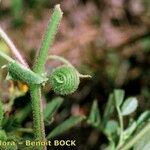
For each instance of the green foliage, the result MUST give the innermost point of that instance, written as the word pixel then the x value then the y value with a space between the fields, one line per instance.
pixel 111 127
pixel 129 106
pixel 129 131
pixel 22 114
pixel 51 108
pixel 143 143
pixel 117 135
pixel 1 114
pixel 114 63
pixel 16 9
pixel 143 117
pixel 118 96
pixel 108 109
pixel 94 118
pixel 4 48
pixel 145 43
pixel 66 125
pixel 10 124
pixel 3 135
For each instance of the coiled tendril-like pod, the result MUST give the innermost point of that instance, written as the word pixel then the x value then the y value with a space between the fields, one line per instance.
pixel 64 80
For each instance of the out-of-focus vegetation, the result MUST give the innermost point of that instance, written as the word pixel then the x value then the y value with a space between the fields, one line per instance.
pixel 109 39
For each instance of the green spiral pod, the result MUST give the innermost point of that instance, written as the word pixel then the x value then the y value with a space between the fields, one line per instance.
pixel 20 73
pixel 64 80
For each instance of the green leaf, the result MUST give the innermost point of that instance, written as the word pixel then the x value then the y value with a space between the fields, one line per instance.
pixel 143 143
pixel 145 44
pixel 3 135
pixel 111 127
pixel 129 106
pixel 119 96
pixel 94 118
pixel 52 107
pixel 128 132
pixel 66 125
pixel 109 109
pixel 1 113
pixel 143 117
pixel 17 6
pixel 4 49
pixel 23 113
pixel 111 146
pixel 10 123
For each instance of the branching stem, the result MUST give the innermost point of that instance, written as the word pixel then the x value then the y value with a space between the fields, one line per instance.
pixel 121 128
pixel 48 39
pixel 129 144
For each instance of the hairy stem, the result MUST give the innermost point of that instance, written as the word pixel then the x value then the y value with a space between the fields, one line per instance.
pixel 48 39
pixel 38 122
pixel 136 138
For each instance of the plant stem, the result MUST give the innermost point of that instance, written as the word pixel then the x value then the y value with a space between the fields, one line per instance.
pixel 84 76
pixel 55 57
pixel 37 112
pixel 26 130
pixel 121 127
pixel 48 39
pixel 13 48
pixel 63 60
pixel 6 57
pixel 136 138
pixel 35 90
pixel 1 114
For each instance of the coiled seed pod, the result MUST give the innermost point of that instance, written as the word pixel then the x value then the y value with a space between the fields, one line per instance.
pixel 18 72
pixel 64 80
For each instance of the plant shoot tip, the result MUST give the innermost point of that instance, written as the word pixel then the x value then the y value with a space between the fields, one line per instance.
pixel 58 8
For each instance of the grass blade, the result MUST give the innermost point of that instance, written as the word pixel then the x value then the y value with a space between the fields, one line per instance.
pixel 66 125
pixel 52 107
